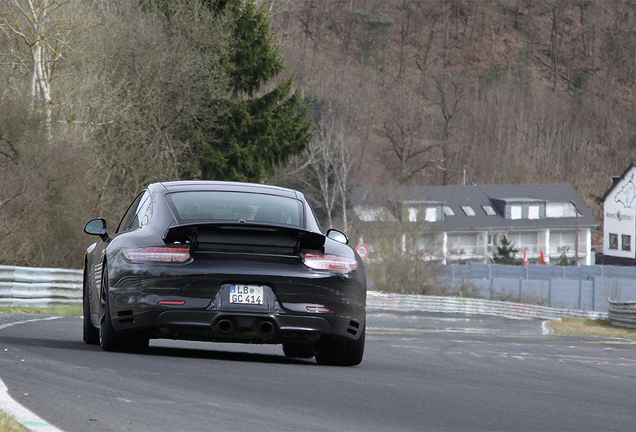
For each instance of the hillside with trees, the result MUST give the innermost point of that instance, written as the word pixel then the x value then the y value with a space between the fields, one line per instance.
pixel 443 92
pixel 99 98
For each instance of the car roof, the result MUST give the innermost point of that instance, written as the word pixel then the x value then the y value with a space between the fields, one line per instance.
pixel 209 185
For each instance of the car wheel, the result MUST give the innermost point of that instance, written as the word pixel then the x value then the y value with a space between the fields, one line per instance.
pixel 109 338
pixel 295 350
pixel 91 333
pixel 335 352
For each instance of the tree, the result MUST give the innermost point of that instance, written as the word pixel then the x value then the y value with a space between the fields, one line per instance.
pixel 506 253
pixel 412 151
pixel 323 170
pixel 254 133
pixel 40 32
pixel 450 95
pixel 140 116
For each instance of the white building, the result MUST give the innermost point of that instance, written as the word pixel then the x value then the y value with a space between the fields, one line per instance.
pixel 619 204
pixel 467 223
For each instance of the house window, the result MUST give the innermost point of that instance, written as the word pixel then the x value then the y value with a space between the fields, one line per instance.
pixel 528 241
pixel 468 210
pixel 626 242
pixel 533 212
pixel 559 210
pixel 515 212
pixel 448 211
pixel 462 244
pixel 613 241
pixel 412 214
pixel 489 210
pixel 492 243
pixel 427 243
pixel 562 241
pixel 431 214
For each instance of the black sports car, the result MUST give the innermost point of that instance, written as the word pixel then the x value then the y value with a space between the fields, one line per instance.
pixel 224 262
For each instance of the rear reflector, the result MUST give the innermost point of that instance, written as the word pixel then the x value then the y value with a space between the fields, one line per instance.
pixel 318 309
pixel 157 254
pixel 171 302
pixel 330 262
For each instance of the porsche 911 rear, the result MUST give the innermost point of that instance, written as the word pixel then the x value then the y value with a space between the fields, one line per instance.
pixel 249 280
pixel 262 285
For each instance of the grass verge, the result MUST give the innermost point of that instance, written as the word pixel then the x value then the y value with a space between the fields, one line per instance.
pixel 7 424
pixel 589 327
pixel 60 310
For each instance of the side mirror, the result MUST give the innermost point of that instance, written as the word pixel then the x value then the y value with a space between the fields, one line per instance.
pixel 338 236
pixel 97 227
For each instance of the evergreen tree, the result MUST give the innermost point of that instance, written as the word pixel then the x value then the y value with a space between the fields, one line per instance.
pixel 255 132
pixel 506 253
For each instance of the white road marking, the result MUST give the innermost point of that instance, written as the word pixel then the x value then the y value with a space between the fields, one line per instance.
pixel 20 413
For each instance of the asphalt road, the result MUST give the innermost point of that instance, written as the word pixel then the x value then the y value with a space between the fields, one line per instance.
pixel 420 372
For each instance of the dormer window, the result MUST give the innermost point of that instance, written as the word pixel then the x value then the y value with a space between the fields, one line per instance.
pixel 448 211
pixel 412 214
pixel 468 210
pixel 559 210
pixel 515 212
pixel 533 212
pixel 431 214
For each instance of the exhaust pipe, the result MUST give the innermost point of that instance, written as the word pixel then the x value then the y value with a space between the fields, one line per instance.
pixel 224 325
pixel 265 328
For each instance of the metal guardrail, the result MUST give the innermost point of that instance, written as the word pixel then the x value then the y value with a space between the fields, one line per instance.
pixel 409 302
pixel 622 314
pixel 29 286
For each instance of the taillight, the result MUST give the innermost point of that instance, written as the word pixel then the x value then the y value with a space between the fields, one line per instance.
pixel 330 262
pixel 157 254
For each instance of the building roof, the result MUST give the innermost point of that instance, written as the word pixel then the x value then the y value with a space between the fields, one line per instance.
pixel 617 180
pixel 479 197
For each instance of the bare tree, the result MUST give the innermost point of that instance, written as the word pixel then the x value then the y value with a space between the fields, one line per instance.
pixel 323 172
pixel 450 94
pixel 40 33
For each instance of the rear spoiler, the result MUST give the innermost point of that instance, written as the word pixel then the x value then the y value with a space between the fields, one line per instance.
pixel 304 239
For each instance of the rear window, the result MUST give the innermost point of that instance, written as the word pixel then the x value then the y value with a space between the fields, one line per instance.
pixel 223 206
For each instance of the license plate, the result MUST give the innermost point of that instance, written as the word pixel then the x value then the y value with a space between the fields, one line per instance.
pixel 246 294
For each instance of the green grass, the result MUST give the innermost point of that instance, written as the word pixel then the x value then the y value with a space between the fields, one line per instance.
pixel 7 424
pixel 59 310
pixel 589 327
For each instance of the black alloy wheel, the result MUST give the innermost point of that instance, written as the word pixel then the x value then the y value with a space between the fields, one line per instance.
pixel 109 338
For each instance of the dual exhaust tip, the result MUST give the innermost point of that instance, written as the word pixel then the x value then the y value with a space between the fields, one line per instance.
pixel 264 327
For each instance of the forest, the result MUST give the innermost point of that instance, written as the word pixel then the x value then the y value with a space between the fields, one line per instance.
pixel 98 98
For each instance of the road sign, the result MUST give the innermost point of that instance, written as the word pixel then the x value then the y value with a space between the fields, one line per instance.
pixel 362 250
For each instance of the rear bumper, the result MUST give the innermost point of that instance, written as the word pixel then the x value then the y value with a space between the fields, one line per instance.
pixel 236 326
pixel 298 303
pixel 219 320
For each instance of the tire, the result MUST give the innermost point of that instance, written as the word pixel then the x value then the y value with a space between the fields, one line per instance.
pixel 336 352
pixel 294 350
pixel 109 338
pixel 91 333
